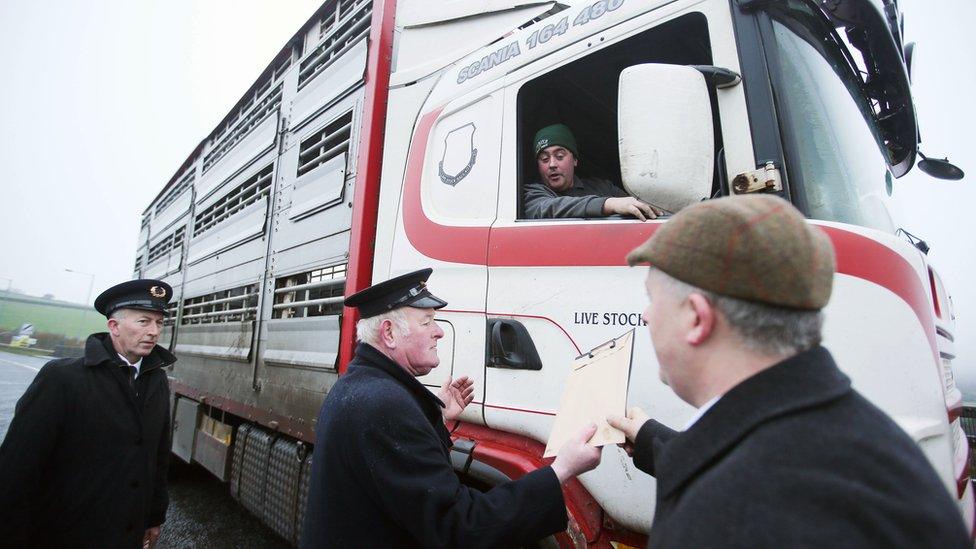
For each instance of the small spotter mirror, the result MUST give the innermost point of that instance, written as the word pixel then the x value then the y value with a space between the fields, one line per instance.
pixel 909 50
pixel 940 168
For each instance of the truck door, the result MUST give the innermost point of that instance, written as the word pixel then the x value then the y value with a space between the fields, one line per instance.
pixel 449 201
pixel 565 280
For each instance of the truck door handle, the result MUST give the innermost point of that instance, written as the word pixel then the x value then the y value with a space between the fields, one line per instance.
pixel 511 346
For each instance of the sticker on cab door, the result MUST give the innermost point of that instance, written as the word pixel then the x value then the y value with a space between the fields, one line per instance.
pixel 459 155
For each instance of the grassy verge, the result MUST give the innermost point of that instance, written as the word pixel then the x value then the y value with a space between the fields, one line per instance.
pixel 71 322
pixel 28 351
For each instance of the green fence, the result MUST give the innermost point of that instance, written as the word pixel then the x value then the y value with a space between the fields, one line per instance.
pixel 49 316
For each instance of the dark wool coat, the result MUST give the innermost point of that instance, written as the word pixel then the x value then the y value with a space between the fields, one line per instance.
pixel 382 476
pixel 84 461
pixel 794 457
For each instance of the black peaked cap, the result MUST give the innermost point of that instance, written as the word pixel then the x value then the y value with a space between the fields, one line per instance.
pixel 146 293
pixel 406 290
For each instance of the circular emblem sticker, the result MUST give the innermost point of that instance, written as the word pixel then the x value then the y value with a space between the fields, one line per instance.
pixel 157 291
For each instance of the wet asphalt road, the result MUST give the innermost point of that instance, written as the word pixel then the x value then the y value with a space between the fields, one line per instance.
pixel 16 373
pixel 202 514
pixel 201 511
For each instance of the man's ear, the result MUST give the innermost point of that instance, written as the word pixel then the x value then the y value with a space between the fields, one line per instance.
pixel 386 333
pixel 704 319
pixel 113 326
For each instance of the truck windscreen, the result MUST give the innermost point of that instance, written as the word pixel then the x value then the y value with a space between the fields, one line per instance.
pixel 833 150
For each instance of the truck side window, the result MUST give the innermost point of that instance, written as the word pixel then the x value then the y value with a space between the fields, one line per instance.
pixel 582 95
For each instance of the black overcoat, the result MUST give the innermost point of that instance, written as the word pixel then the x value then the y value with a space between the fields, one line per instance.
pixel 794 457
pixel 382 476
pixel 84 461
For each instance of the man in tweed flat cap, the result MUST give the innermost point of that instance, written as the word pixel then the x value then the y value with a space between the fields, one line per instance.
pixel 782 451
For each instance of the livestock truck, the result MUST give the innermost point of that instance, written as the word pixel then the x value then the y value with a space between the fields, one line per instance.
pixel 391 135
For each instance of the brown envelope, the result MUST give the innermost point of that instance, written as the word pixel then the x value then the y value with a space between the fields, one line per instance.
pixel 596 387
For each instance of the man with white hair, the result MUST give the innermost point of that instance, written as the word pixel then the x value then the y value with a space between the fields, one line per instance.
pixel 381 468
pixel 782 451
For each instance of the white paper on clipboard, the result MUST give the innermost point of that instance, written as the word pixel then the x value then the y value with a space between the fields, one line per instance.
pixel 595 388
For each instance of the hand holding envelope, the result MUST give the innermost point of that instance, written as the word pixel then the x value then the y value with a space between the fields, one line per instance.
pixel 595 388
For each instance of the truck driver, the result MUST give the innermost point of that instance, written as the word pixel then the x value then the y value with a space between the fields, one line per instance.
pixel 561 193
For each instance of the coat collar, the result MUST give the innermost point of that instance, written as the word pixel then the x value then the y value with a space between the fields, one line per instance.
pixel 99 349
pixel 808 379
pixel 373 357
pixel 369 356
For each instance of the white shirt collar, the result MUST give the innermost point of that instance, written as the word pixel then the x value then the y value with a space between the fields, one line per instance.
pixel 137 364
pixel 701 411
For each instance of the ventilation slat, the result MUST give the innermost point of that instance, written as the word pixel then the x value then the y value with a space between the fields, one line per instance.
pixel 353 25
pixel 234 305
pixel 167 244
pixel 181 186
pixel 250 191
pixel 314 293
pixel 226 141
pixel 324 145
pixel 170 317
pixel 327 138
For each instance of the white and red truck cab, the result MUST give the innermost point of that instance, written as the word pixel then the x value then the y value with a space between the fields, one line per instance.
pixel 394 135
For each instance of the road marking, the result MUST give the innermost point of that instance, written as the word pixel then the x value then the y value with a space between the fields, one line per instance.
pixel 19 364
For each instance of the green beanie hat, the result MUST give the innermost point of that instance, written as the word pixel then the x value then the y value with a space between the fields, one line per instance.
pixel 556 134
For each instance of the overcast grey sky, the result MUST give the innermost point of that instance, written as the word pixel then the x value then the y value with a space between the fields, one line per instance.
pixel 103 100
pixel 101 103
pixel 941 212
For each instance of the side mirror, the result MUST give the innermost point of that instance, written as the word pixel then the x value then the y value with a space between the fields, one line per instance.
pixel 940 168
pixel 664 120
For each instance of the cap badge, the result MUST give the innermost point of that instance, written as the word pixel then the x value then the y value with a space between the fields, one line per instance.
pixel 157 292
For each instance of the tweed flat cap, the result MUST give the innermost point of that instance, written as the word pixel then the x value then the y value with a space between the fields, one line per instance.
pixel 757 248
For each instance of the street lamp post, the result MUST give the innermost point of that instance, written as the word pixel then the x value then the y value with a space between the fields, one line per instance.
pixel 91 285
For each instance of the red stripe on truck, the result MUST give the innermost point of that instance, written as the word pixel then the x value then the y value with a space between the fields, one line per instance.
pixel 606 243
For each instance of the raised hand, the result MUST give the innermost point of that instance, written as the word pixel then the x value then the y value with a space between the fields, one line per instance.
pixel 456 395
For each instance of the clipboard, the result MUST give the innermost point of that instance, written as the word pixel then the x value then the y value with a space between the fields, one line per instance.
pixel 595 388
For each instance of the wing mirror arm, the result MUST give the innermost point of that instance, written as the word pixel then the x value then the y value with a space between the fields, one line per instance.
pixel 718 77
